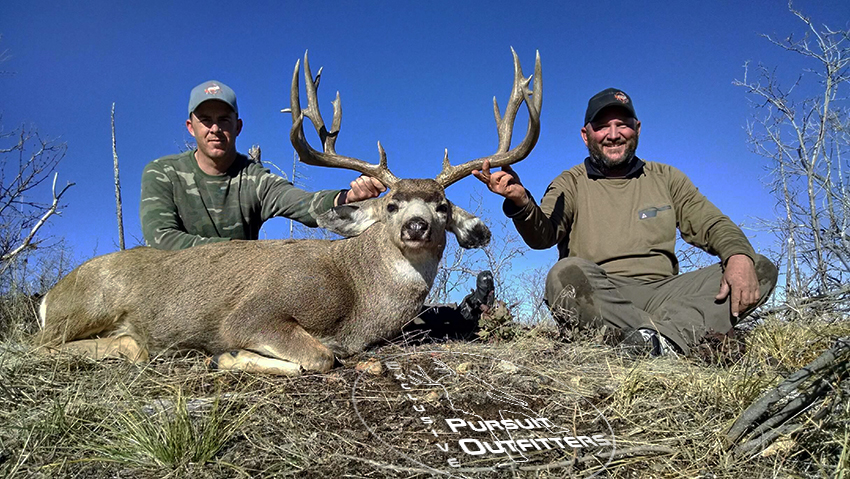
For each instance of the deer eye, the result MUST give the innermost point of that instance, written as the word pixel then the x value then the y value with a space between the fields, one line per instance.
pixel 392 208
pixel 442 208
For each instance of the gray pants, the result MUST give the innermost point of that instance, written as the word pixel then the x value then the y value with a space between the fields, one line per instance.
pixel 682 308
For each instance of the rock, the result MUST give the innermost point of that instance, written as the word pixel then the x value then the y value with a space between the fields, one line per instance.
pixel 370 366
pixel 507 367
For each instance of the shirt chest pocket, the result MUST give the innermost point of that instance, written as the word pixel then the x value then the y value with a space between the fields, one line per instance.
pixel 655 225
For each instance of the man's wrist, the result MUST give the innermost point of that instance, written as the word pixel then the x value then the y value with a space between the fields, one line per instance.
pixel 739 256
pixel 520 202
pixel 512 210
pixel 341 198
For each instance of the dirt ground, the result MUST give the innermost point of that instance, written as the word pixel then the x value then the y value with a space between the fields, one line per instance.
pixel 533 407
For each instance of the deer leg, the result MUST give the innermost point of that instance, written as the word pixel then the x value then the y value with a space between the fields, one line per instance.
pixel 122 347
pixel 293 343
pixel 283 342
pixel 251 362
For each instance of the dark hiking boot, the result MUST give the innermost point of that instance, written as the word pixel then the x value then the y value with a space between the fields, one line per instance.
pixel 647 341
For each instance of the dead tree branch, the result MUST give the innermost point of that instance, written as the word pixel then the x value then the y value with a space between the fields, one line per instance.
pixel 761 423
pixel 118 208
pixel 54 209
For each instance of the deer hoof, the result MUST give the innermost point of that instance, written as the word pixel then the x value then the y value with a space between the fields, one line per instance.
pixel 213 362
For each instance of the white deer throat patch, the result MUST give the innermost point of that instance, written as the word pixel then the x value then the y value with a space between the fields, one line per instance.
pixel 412 273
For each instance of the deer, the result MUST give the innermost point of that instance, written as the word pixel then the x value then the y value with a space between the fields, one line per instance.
pixel 283 307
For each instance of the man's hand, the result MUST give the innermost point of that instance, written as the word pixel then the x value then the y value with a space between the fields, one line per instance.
pixel 741 281
pixel 363 188
pixel 505 183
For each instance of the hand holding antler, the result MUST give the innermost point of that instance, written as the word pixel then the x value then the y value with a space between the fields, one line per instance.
pixel 362 188
pixel 504 183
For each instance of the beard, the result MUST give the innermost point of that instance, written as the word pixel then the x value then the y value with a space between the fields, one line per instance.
pixel 605 163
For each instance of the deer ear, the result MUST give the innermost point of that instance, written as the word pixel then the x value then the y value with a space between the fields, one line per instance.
pixel 350 219
pixel 470 231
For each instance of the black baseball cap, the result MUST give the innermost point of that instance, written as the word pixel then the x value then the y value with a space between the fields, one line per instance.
pixel 604 99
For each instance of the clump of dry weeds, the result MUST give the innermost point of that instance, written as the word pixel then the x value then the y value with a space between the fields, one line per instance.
pixel 71 417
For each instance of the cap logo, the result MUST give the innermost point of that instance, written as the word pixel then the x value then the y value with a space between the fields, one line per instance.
pixel 212 89
pixel 621 97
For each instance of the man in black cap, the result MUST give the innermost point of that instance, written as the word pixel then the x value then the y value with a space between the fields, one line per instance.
pixel 614 218
pixel 213 193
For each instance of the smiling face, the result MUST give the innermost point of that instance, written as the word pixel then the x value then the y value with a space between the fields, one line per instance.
pixel 215 127
pixel 612 139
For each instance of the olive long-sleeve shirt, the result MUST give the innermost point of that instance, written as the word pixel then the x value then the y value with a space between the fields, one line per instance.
pixel 627 225
pixel 181 206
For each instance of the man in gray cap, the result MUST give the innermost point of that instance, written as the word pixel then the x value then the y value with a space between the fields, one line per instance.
pixel 614 218
pixel 213 193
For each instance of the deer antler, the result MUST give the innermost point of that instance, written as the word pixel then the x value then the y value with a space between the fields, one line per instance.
pixel 505 125
pixel 328 157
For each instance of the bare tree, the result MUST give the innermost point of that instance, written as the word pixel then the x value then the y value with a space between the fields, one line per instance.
pixel 531 286
pixel 298 179
pixel 26 161
pixel 804 135
pixel 692 258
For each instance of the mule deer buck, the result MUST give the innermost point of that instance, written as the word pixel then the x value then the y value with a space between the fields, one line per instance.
pixel 280 306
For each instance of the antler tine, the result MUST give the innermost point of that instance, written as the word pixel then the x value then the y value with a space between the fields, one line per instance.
pixel 505 156
pixel 328 157
pixel 312 112
pixel 504 125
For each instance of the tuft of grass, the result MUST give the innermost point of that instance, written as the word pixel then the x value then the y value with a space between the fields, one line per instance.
pixel 844 458
pixel 497 324
pixel 790 345
pixel 18 317
pixel 171 432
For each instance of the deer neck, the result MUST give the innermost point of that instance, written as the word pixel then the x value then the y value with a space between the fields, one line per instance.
pixel 401 266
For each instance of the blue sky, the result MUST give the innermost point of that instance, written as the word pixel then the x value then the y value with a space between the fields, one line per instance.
pixel 418 76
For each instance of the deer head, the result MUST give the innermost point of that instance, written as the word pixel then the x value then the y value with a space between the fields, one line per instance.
pixel 417 209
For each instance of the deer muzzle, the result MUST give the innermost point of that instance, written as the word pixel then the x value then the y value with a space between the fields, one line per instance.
pixel 416 229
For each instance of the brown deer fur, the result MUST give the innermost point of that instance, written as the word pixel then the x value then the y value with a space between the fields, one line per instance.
pixel 297 301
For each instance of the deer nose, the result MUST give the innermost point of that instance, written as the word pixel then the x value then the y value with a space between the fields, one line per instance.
pixel 416 228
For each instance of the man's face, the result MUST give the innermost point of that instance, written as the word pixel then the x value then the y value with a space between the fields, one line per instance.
pixel 215 128
pixel 611 138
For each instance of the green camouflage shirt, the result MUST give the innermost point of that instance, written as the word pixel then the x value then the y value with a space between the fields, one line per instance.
pixel 181 206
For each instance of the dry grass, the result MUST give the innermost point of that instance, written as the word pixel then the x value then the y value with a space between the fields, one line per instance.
pixel 70 417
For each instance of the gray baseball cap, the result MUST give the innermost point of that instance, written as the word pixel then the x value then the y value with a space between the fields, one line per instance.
pixel 212 90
